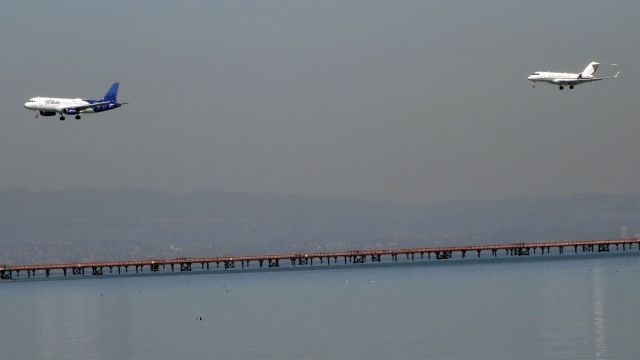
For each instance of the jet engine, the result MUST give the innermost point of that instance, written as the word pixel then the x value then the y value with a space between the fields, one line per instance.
pixel 70 111
pixel 47 113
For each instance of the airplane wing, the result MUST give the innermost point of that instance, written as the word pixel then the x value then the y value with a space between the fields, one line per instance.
pixel 88 106
pixel 610 77
pixel 583 80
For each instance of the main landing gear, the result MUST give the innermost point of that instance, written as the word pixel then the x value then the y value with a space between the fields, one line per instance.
pixel 570 86
pixel 62 117
pixel 560 87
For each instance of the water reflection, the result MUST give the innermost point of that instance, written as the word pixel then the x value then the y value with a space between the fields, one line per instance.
pixel 82 326
pixel 599 314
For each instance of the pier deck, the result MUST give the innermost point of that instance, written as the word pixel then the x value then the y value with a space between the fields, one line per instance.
pixel 99 268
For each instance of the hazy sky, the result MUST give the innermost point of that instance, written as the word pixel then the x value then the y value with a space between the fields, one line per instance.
pixel 405 101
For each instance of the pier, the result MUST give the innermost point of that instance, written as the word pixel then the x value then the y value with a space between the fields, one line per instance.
pixel 352 257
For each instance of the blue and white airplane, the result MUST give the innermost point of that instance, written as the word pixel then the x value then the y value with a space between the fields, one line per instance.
pixel 46 106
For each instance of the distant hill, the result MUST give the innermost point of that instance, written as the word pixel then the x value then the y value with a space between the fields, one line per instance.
pixel 84 224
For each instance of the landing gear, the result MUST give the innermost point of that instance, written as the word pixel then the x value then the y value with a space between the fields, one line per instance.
pixel 570 86
pixel 77 117
pixel 61 118
pixel 561 87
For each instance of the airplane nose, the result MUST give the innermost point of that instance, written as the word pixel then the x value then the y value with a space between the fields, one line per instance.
pixel 26 105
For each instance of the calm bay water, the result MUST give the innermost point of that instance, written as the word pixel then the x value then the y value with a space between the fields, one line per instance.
pixel 579 308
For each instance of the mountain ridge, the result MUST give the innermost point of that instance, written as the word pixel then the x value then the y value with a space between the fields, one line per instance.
pixel 88 224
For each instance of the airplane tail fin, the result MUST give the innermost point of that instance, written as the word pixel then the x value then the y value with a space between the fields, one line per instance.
pixel 590 70
pixel 112 93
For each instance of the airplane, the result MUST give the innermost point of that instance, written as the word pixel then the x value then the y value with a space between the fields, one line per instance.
pixel 569 79
pixel 51 106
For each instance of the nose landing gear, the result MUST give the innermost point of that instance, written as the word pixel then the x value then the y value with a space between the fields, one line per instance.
pixel 77 117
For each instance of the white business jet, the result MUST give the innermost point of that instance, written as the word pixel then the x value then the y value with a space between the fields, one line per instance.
pixel 569 79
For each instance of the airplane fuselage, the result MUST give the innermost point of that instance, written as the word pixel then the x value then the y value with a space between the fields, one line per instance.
pixel 67 106
pixel 552 77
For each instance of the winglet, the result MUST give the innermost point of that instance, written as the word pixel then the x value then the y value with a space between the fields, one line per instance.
pixel 616 75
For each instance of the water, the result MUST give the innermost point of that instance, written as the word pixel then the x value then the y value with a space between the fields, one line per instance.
pixel 581 308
